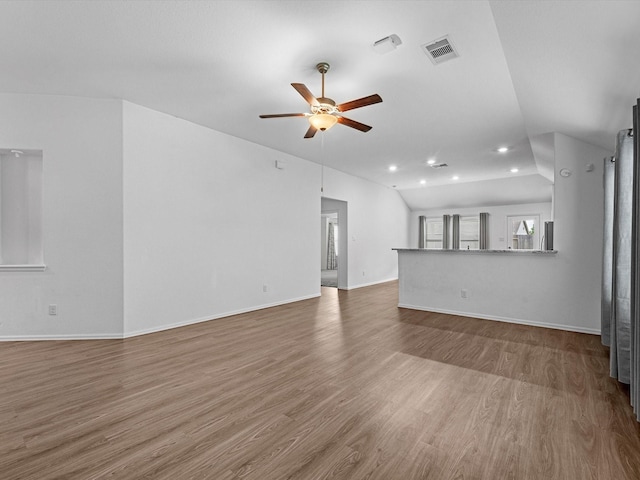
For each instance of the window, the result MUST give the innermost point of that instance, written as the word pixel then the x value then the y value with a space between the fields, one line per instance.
pixel 21 210
pixel 433 235
pixel 469 233
pixel 523 232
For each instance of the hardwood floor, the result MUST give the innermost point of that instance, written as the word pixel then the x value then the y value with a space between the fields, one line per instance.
pixel 346 386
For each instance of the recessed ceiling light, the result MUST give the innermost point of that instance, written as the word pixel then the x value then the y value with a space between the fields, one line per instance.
pixel 431 161
pixel 514 170
pixel 455 177
pixel 503 149
pixel 423 182
pixel 392 168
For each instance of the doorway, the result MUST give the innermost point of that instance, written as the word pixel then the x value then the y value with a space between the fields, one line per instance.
pixel 330 250
pixel 333 243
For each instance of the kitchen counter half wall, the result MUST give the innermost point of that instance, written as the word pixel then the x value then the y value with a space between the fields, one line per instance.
pixel 525 287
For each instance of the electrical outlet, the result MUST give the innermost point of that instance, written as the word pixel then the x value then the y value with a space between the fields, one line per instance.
pixel 363 273
pixel 265 288
pixel 463 293
pixel 53 309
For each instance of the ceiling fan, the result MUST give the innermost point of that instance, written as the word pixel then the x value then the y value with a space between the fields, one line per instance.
pixel 324 111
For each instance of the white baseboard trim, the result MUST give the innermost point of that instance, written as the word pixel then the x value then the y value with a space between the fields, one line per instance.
pixel 23 268
pixel 556 326
pixel 120 336
pixel 217 316
pixel 79 336
pixel 361 285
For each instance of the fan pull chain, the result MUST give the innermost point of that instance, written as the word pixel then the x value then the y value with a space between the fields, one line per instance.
pixel 322 154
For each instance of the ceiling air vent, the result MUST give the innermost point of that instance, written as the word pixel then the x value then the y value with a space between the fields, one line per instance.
pixel 439 165
pixel 440 50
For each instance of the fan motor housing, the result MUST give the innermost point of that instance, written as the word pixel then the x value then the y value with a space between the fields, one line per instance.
pixel 325 105
pixel 326 101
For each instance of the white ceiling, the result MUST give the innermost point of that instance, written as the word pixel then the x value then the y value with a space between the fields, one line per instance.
pixel 525 68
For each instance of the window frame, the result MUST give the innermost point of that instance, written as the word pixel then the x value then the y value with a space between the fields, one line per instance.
pixel 476 239
pixel 433 220
pixel 523 217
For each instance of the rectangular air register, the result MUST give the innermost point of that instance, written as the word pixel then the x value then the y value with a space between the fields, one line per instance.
pixel 439 165
pixel 440 50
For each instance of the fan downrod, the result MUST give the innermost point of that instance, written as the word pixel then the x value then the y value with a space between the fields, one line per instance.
pixel 323 67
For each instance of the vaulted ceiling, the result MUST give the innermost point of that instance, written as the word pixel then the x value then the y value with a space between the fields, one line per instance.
pixel 524 69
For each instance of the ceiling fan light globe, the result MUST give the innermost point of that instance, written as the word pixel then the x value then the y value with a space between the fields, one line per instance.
pixel 323 121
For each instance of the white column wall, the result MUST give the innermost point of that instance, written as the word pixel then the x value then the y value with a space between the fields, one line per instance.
pixel 578 230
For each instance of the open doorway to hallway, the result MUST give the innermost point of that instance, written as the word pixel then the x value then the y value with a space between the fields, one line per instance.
pixel 333 244
pixel 330 250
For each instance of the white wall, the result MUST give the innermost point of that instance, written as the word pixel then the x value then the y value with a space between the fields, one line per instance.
pixel 561 290
pixel 377 221
pixel 578 229
pixel 150 222
pixel 513 287
pixel 200 239
pixel 497 219
pixel 82 218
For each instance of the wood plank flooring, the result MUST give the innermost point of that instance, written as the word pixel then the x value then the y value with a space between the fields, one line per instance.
pixel 347 386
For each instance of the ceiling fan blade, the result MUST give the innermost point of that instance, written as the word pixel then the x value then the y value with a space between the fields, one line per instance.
pixel 278 115
pixel 311 132
pixel 306 94
pixel 353 124
pixel 361 102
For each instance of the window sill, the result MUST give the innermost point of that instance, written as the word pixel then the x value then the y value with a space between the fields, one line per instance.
pixel 482 252
pixel 23 268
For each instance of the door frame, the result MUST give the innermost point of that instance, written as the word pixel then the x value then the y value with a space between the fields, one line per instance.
pixel 330 205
